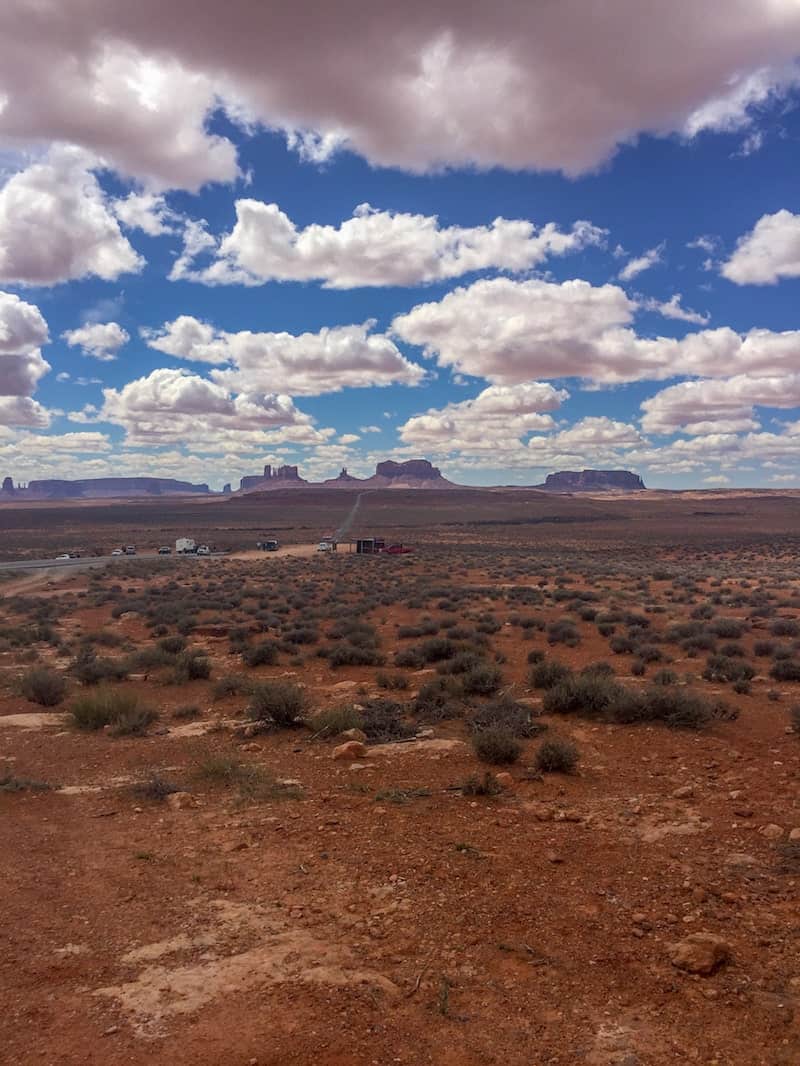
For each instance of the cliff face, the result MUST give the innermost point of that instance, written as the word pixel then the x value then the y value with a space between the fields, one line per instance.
pixel 413 468
pixel 593 481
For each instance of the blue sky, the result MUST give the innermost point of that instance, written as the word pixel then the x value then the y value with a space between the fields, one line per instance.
pixel 612 281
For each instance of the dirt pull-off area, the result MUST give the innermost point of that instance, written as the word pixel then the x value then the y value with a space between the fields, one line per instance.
pixel 505 805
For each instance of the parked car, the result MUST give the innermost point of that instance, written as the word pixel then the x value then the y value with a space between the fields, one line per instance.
pixel 204 550
pixel 165 550
pixel 74 555
pixel 118 551
pixel 64 556
pixel 324 546
pixel 130 549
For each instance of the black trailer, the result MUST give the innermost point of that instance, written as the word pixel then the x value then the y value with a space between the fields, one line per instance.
pixel 370 545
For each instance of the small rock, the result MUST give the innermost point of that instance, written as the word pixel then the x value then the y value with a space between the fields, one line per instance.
pixel 252 746
pixel 553 857
pixel 354 734
pixel 700 953
pixel 111 1030
pixel 794 834
pixel 504 780
pixel 771 831
pixel 352 749
pixel 683 793
pixel 181 801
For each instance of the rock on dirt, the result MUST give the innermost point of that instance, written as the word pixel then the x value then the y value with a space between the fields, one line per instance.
pixel 181 801
pixel 700 953
pixel 352 749
pixel 354 734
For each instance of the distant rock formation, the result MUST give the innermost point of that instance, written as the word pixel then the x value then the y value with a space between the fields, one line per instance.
pixel 343 481
pixel 592 481
pixel 411 474
pixel 226 489
pixel 283 477
pixel 105 488
pixel 7 488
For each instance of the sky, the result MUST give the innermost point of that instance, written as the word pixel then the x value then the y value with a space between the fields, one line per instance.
pixel 509 238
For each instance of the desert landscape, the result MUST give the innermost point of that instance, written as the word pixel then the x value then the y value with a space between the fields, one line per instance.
pixel 527 794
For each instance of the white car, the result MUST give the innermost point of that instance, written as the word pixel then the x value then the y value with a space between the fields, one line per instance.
pixel 204 550
pixel 60 557
pixel 324 546
pixel 118 551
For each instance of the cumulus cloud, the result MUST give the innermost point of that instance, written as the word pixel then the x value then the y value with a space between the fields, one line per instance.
pixel 770 251
pixel 307 364
pixel 55 225
pixel 146 211
pixel 721 406
pixel 22 330
pixel 372 248
pixel 178 406
pixel 21 410
pixel 418 85
pixel 673 308
pixel 637 266
pixel 100 340
pixel 494 422
pixel 513 331
pixel 22 327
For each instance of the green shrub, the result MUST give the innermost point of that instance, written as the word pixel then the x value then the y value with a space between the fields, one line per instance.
pixel 91 670
pixel 439 699
pixel 172 645
pixel 186 712
pixel 280 704
pixel 723 668
pixel 556 756
pixel 481 680
pixel 232 685
pixel 263 654
pixel 506 714
pixel 383 720
pixel 346 654
pixel 481 786
pixel 548 673
pixel 785 670
pixel 191 665
pixel 43 686
pixel 497 746
pixel 122 711
pixel 155 787
pixel 391 681
pixel 335 720
pixel 785 627
pixel 563 632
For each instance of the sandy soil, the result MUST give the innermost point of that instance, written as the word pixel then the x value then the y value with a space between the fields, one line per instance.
pixel 374 912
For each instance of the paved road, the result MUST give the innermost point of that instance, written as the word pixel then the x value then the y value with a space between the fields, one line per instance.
pixel 85 562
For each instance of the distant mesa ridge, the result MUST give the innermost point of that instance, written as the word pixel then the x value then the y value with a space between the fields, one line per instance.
pixel 100 488
pixel 592 481
pixel 389 474
pixel 410 474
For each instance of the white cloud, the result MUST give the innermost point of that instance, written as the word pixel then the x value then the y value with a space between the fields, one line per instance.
pixel 371 248
pixel 513 331
pixel 55 225
pixel 21 411
pixel 100 340
pixel 22 327
pixel 717 479
pixel 494 422
pixel 370 429
pixel 147 212
pixel 418 85
pixel 307 364
pixel 22 330
pixel 637 266
pixel 721 406
pixel 673 308
pixel 348 438
pixel 770 251
pixel 177 406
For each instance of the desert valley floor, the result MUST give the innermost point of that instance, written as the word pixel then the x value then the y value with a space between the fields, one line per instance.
pixel 527 795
